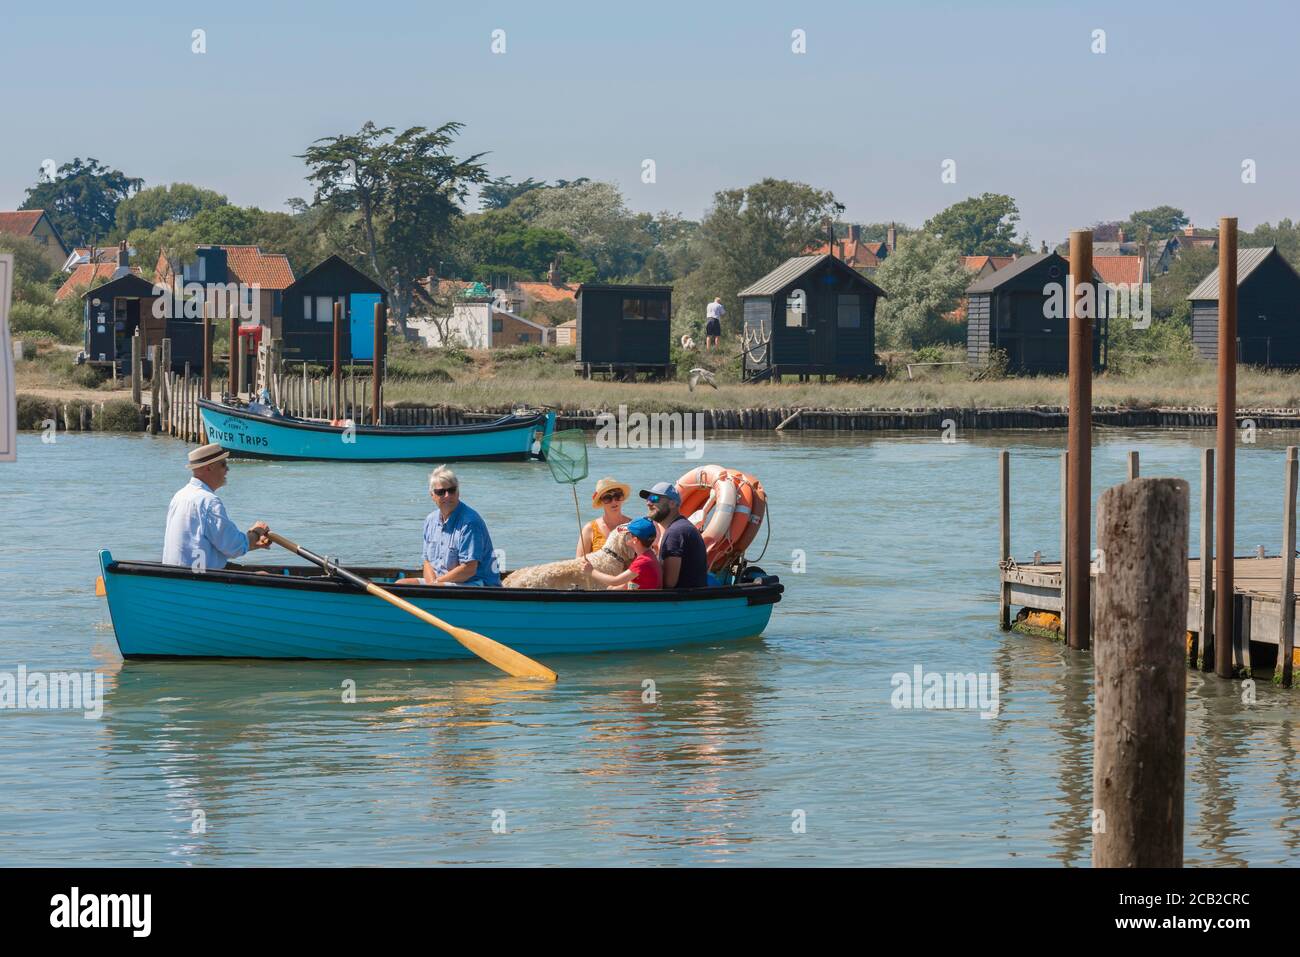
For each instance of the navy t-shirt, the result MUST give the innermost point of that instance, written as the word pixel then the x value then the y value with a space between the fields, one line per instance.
pixel 683 540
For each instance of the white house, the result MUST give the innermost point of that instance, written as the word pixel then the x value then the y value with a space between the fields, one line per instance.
pixel 479 324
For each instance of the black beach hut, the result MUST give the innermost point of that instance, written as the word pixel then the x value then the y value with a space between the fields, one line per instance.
pixel 623 329
pixel 115 311
pixel 1268 310
pixel 812 315
pixel 307 326
pixel 1012 310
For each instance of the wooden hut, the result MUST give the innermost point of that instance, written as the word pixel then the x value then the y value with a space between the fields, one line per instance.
pixel 623 330
pixel 307 323
pixel 812 315
pixel 1268 310
pixel 1012 310
pixel 113 312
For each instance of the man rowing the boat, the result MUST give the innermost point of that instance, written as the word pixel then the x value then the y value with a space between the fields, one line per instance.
pixel 199 532
pixel 457 546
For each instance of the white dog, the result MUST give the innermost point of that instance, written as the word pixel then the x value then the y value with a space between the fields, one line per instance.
pixel 572 574
pixel 688 343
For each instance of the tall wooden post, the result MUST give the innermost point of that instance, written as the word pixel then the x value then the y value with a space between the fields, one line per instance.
pixel 338 350
pixel 1141 680
pixel 376 381
pixel 234 356
pixel 1079 527
pixel 165 362
pixel 1226 480
pixel 1286 634
pixel 1004 481
pixel 207 355
pixel 1065 522
pixel 242 365
pixel 1133 467
pixel 1207 560
pixel 136 371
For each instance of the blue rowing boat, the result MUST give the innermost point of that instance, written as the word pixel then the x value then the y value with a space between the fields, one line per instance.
pixel 271 435
pixel 297 611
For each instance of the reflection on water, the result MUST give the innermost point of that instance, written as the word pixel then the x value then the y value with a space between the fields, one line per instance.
pixel 373 763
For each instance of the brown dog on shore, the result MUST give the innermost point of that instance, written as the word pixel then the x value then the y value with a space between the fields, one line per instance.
pixel 572 574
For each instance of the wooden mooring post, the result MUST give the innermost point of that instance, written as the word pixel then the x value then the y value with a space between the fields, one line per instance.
pixel 136 371
pixel 377 379
pixel 1226 443
pixel 1141 680
pixel 1133 471
pixel 1081 300
pixel 1286 631
pixel 337 382
pixel 1206 637
pixel 1004 480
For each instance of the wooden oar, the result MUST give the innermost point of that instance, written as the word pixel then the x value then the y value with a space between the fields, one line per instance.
pixel 493 652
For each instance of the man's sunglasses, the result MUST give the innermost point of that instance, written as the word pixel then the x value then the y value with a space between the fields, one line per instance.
pixel 655 499
pixel 612 497
pixel 440 492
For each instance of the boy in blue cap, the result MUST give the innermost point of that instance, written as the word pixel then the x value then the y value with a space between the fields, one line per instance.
pixel 682 550
pixel 644 571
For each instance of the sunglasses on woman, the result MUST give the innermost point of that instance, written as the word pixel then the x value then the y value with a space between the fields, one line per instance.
pixel 612 497
pixel 440 492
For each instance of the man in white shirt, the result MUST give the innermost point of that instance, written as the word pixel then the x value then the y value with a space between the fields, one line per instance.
pixel 199 532
pixel 713 325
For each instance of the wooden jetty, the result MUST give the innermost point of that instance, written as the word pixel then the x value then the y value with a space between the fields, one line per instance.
pixel 1264 593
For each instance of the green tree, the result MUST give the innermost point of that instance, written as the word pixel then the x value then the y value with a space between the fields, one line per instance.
pixel 924 281
pixel 82 199
pixel 1285 236
pixel 745 234
pixel 1162 221
pixel 595 216
pixel 500 192
pixel 400 193
pixel 983 225
pixel 174 203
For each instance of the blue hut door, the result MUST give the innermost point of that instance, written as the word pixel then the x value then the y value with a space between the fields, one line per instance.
pixel 362 311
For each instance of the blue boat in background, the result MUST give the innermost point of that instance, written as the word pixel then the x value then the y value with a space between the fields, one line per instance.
pixel 271 435
pixel 297 611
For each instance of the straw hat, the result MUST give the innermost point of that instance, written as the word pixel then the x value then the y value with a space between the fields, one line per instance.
pixel 206 455
pixel 608 484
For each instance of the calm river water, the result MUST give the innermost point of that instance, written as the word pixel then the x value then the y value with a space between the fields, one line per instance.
pixel 262 763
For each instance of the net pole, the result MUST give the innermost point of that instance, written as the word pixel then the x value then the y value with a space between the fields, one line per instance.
pixel 577 511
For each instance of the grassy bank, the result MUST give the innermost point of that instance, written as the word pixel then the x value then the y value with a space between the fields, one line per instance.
pixel 534 375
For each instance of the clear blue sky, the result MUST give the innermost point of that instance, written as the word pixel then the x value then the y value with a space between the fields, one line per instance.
pixel 712 93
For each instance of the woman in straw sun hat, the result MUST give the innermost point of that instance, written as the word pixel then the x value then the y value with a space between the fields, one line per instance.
pixel 609 496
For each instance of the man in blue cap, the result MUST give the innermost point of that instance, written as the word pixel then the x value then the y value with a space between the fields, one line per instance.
pixel 681 550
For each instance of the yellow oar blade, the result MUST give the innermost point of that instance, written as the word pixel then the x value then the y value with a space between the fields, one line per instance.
pixel 99 586
pixel 493 652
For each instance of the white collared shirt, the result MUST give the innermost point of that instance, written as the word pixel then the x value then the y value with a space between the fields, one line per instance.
pixel 199 532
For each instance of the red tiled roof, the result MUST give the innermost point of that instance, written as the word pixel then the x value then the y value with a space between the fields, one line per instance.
pixel 857 254
pixel 84 275
pixel 255 268
pixel 1126 269
pixel 548 293
pixel 20 222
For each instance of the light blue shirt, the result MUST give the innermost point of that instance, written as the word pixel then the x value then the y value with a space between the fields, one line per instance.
pixel 199 532
pixel 462 538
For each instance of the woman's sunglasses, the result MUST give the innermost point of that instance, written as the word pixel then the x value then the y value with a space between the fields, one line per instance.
pixel 612 497
pixel 440 492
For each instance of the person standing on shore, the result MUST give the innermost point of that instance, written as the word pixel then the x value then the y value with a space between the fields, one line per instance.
pixel 713 324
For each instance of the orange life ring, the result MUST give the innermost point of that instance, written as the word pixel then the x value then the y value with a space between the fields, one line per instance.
pixel 727 506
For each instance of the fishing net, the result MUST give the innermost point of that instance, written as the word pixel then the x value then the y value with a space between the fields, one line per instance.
pixel 566 454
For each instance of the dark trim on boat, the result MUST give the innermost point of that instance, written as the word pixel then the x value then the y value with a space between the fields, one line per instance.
pixel 505 423
pixel 300 577
pixel 502 457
